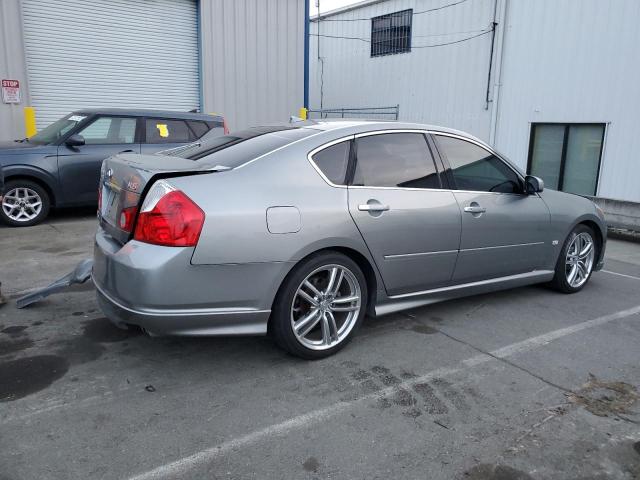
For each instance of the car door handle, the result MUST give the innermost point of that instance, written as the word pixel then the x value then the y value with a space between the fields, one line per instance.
pixel 373 207
pixel 126 151
pixel 475 209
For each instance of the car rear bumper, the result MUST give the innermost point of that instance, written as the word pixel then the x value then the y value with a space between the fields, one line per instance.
pixel 207 321
pixel 158 289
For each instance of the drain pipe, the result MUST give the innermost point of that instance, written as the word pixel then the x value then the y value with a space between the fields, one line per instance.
pixel 501 22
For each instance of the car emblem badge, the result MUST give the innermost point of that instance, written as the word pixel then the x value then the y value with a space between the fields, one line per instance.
pixel 109 173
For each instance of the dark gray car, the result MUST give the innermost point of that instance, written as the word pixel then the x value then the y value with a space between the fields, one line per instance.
pixel 60 165
pixel 300 230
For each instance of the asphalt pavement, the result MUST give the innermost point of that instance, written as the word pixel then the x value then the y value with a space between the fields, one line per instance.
pixel 516 385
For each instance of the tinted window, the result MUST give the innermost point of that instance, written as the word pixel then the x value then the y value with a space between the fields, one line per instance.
pixel 333 160
pixel 395 160
pixel 109 130
pixel 167 131
pixel 477 169
pixel 199 128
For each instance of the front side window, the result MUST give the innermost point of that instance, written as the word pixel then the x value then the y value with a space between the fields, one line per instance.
pixel 333 161
pixel 567 156
pixel 167 131
pixel 109 130
pixel 391 33
pixel 395 160
pixel 477 169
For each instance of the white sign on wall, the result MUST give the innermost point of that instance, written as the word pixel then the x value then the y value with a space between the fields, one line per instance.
pixel 10 91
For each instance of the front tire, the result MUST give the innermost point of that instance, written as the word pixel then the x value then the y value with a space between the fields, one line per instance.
pixel 25 203
pixel 576 260
pixel 319 306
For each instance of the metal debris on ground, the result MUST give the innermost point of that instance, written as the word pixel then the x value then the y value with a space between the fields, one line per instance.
pixel 80 274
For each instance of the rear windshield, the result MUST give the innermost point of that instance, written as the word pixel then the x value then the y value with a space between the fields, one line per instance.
pixel 239 147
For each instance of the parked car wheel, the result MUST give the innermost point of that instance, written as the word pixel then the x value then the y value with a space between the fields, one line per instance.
pixel 319 306
pixel 576 260
pixel 25 203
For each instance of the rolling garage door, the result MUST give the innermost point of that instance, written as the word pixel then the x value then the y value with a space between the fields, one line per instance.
pixel 116 53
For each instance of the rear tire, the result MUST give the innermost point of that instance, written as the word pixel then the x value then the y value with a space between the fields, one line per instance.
pixel 25 203
pixel 576 260
pixel 314 316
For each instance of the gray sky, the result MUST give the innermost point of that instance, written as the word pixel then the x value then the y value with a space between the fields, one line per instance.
pixel 326 5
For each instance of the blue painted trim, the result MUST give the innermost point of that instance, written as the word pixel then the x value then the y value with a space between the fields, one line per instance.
pixel 306 53
pixel 200 83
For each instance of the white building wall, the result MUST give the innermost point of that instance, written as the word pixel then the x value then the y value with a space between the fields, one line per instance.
pixel 574 61
pixel 12 67
pixel 253 59
pixel 443 85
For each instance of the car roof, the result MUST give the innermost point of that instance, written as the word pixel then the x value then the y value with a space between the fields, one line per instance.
pixel 372 125
pixel 148 112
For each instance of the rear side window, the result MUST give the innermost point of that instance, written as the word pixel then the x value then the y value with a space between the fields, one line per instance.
pixel 333 161
pixel 395 160
pixel 477 169
pixel 198 127
pixel 167 131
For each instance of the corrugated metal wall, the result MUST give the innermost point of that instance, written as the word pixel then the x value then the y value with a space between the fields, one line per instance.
pixel 12 66
pixel 122 53
pixel 440 85
pixel 253 55
pixel 575 61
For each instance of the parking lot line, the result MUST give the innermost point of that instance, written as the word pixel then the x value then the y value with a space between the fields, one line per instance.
pixel 179 467
pixel 620 274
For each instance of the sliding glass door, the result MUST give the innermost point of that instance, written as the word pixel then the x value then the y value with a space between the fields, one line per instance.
pixel 567 156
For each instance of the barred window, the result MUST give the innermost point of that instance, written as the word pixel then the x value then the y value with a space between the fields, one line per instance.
pixel 391 33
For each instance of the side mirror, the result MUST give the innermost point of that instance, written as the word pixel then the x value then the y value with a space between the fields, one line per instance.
pixel 534 184
pixel 75 141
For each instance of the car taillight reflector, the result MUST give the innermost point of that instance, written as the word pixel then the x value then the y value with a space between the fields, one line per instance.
pixel 224 125
pixel 168 217
pixel 127 218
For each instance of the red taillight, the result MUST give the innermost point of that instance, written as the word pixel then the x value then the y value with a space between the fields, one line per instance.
pixel 174 221
pixel 226 128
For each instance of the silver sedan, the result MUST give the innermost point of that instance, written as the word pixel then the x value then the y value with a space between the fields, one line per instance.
pixel 300 230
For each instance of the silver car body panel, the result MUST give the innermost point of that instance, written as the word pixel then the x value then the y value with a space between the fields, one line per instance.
pixel 272 211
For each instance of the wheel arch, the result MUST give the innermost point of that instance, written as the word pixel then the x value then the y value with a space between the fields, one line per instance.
pixel 35 179
pixel 600 236
pixel 365 264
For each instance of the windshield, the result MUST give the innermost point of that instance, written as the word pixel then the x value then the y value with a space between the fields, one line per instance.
pixel 58 129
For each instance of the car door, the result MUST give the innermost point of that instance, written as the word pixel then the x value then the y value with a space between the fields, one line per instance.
pixel 504 230
pixel 409 223
pixel 164 134
pixel 79 166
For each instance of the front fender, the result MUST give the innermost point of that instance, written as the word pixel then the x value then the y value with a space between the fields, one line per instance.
pixel 46 178
pixel 567 211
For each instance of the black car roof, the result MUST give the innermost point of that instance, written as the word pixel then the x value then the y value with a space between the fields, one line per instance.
pixel 147 112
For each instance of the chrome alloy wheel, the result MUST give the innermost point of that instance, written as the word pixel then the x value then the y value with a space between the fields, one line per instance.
pixel 22 204
pixel 325 307
pixel 579 261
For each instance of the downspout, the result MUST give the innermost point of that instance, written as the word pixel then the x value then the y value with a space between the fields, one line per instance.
pixel 200 70
pixel 495 101
pixel 306 54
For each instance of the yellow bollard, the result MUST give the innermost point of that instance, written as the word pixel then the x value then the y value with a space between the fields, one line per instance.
pixel 30 122
pixel 302 113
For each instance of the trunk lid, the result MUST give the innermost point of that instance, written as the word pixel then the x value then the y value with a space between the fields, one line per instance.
pixel 125 179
